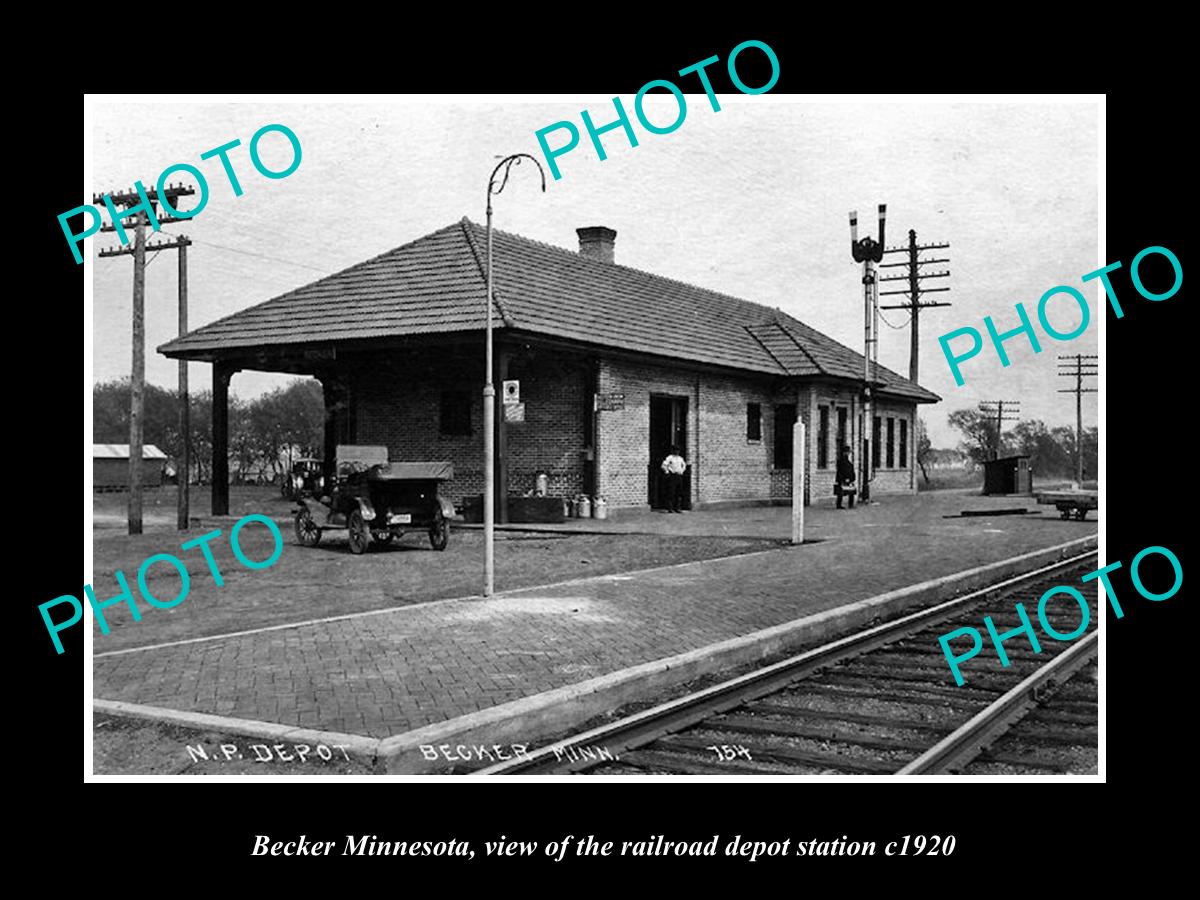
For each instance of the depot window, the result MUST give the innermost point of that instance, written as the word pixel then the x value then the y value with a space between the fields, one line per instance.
pixel 823 437
pixel 785 418
pixel 754 421
pixel 456 413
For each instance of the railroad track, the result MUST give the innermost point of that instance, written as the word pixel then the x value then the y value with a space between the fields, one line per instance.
pixel 1047 741
pixel 878 702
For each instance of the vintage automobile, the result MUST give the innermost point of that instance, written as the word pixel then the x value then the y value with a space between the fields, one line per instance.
pixel 305 480
pixel 376 500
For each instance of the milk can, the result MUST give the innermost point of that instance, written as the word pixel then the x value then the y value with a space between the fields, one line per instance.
pixel 600 508
pixel 585 507
pixel 541 484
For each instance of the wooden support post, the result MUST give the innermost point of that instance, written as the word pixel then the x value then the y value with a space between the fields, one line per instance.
pixel 222 372
pixel 183 465
pixel 798 456
pixel 810 453
pixel 329 463
pixel 911 449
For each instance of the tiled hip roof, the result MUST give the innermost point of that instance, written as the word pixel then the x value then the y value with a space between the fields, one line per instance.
pixel 436 284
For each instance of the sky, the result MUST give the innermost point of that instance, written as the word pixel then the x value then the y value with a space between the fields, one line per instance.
pixel 751 201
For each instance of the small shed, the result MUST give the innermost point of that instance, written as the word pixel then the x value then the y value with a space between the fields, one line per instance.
pixel 1007 475
pixel 110 466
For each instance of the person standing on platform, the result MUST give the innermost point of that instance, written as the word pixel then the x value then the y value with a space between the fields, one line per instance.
pixel 843 485
pixel 674 466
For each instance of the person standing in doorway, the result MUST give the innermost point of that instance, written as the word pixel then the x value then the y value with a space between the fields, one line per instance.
pixel 843 485
pixel 674 466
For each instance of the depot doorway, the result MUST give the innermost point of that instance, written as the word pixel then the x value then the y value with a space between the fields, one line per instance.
pixel 668 428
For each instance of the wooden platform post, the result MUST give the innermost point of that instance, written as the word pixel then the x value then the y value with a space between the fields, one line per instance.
pixel 798 456
pixel 222 372
pixel 328 462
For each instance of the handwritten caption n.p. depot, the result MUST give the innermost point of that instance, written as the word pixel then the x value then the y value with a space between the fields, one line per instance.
pixel 590 846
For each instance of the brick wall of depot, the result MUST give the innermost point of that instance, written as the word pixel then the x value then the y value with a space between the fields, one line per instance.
pixel 400 408
pixel 781 478
pixel 896 479
pixel 732 467
pixel 398 405
pixel 402 411
pixel 623 435
pixel 556 390
pixel 833 396
pixel 726 465
pixel 781 484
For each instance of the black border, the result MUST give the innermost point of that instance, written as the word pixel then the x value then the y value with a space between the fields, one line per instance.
pixel 1147 493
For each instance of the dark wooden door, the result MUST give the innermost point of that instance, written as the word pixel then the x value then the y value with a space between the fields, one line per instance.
pixel 668 428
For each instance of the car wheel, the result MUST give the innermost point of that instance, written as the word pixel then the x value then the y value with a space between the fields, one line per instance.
pixel 308 532
pixel 360 535
pixel 439 532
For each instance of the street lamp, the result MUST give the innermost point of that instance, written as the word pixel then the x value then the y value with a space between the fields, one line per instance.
pixel 489 389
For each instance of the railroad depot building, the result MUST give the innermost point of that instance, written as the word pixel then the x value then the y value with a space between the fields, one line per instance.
pixel 613 365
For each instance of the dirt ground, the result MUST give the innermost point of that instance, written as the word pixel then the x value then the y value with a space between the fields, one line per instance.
pixel 109 509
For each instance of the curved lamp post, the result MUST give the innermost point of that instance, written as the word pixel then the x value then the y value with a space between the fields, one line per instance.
pixel 495 185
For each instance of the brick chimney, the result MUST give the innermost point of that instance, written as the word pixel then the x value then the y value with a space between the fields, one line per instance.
pixel 596 242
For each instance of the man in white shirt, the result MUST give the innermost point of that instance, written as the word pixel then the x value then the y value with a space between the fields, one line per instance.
pixel 674 466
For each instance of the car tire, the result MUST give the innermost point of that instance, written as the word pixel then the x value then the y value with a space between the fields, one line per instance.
pixel 360 535
pixel 308 532
pixel 439 532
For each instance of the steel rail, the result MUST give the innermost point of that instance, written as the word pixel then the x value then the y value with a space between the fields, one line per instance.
pixel 961 746
pixel 683 712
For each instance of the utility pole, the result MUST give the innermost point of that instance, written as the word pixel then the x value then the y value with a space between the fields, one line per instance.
pixel 131 201
pixel 1078 371
pixel 869 252
pixel 1003 411
pixel 183 469
pixel 914 291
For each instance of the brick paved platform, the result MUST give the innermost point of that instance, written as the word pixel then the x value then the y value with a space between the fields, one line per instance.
pixel 382 674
